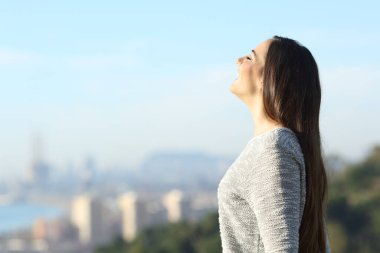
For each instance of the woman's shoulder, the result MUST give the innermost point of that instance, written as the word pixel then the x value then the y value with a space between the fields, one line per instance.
pixel 276 136
pixel 271 157
pixel 279 140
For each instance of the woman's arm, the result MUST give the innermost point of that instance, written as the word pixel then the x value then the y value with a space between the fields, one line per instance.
pixel 272 188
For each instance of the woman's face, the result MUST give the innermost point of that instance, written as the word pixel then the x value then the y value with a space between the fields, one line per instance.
pixel 248 84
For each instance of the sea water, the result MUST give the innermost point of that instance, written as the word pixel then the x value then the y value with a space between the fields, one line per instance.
pixel 21 215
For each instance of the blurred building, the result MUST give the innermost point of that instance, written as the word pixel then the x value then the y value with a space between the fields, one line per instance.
pixel 53 231
pixel 87 173
pixel 178 206
pixel 89 217
pixel 39 171
pixel 134 215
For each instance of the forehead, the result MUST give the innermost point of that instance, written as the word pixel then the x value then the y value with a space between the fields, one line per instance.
pixel 262 48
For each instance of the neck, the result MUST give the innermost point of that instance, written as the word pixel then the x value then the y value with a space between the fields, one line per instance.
pixel 262 123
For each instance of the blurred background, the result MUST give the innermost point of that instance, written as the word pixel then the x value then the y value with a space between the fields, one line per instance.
pixel 117 122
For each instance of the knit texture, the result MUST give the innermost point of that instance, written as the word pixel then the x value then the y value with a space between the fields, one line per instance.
pixel 261 197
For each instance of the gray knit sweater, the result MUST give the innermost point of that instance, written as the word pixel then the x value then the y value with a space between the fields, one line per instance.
pixel 262 195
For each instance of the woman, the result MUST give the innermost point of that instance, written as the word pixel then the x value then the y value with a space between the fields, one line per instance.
pixel 272 198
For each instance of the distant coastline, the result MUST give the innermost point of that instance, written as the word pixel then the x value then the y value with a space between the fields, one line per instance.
pixel 18 214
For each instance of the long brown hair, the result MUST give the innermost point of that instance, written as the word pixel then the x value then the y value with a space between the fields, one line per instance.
pixel 292 96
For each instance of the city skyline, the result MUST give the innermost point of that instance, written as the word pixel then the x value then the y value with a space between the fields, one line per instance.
pixel 123 80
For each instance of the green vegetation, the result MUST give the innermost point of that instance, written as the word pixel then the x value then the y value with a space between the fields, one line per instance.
pixel 353 219
pixel 353 214
pixel 181 237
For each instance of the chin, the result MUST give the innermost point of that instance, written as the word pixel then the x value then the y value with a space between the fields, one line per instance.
pixel 235 86
pixel 232 88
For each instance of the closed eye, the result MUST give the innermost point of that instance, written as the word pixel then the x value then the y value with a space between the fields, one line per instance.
pixel 248 57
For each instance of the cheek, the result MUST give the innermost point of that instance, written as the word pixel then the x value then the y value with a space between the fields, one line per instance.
pixel 249 76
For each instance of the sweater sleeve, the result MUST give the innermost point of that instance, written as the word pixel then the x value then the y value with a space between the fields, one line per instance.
pixel 272 188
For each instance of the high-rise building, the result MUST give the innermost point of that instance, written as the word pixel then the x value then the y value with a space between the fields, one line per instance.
pixel 38 173
pixel 87 215
pixel 134 215
pixel 177 205
pixel 87 173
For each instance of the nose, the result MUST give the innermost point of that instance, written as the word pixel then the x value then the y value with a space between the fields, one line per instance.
pixel 239 60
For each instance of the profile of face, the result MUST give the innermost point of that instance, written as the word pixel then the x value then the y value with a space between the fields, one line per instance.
pixel 248 85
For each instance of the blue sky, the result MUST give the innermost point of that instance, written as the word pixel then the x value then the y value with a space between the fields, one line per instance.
pixel 118 79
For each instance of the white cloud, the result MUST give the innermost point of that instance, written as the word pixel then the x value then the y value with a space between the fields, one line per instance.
pixel 17 57
pixel 102 60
